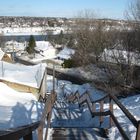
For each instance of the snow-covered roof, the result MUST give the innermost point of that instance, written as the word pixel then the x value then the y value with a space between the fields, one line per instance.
pixel 26 75
pixel 1 54
pixel 17 46
pixel 121 56
pixel 43 45
pixel 65 53
pixel 46 51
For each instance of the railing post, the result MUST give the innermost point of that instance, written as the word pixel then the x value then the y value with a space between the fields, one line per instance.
pixel 49 113
pixel 53 79
pixel 43 118
pixel 101 110
pixel 138 131
pixel 111 110
pixel 40 133
pixel 93 107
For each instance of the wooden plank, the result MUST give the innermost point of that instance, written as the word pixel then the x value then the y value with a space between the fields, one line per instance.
pixel 101 110
pixel 20 87
pixel 42 122
pixel 106 113
pixel 93 107
pixel 97 101
pixel 111 110
pixel 53 98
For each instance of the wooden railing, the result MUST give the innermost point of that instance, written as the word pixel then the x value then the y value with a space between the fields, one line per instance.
pixel 46 116
pixel 25 132
pixel 111 99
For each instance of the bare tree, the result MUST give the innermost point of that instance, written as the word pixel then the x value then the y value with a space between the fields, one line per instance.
pixel 91 38
pixel 122 65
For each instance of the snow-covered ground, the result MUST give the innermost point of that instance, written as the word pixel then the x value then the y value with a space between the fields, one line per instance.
pixel 90 72
pixel 44 48
pixel 22 108
pixel 18 108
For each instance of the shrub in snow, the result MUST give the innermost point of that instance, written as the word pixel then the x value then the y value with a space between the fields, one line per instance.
pixel 68 63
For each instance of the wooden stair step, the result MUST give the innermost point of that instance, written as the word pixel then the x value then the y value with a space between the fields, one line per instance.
pixel 78 134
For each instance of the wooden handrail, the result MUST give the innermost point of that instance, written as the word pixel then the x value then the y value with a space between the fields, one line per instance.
pixel 125 111
pixel 42 122
pixel 119 126
pixel 85 98
pixel 15 134
pixel 46 115
pixel 25 132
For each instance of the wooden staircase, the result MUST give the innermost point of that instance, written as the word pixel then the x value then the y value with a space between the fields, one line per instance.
pixel 70 123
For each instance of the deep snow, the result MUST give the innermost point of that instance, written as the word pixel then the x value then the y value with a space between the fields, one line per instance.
pixel 22 108
pixel 26 75
pixel 18 108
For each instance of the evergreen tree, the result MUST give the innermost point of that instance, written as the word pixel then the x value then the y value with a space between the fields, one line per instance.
pixel 31 45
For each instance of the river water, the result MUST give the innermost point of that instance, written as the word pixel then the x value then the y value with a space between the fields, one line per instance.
pixel 21 38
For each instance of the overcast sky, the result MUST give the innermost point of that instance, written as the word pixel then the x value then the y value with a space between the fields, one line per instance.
pixel 62 8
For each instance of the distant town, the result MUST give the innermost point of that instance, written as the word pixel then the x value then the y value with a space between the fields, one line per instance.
pixel 25 22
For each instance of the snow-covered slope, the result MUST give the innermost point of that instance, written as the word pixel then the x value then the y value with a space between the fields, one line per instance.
pixel 18 109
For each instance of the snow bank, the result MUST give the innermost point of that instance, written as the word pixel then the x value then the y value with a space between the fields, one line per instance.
pixel 18 109
pixel 26 75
